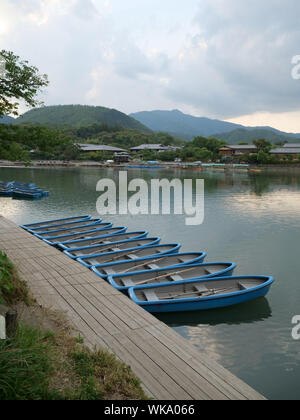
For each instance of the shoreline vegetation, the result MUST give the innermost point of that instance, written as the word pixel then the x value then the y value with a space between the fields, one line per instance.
pixel 45 360
pixel 27 143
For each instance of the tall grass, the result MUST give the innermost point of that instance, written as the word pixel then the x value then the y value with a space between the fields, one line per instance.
pixel 26 364
pixel 12 289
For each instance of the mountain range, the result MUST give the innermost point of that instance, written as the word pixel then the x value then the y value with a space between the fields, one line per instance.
pixel 187 127
pixel 173 122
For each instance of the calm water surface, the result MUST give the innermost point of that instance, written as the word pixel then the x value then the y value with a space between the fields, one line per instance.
pixel 252 220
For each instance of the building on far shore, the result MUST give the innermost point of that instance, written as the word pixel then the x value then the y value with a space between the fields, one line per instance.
pixel 287 151
pixel 237 150
pixel 157 148
pixel 88 148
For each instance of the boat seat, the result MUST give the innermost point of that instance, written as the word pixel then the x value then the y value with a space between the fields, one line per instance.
pixel 132 257
pixel 115 249
pixel 128 282
pixel 211 271
pixel 244 285
pixel 150 295
pixel 200 288
pixel 175 278
pixel 108 271
pixel 152 266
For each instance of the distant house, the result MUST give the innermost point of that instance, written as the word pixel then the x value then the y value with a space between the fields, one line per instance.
pixel 122 157
pixel 237 150
pixel 286 151
pixel 88 148
pixel 157 148
pixel 291 146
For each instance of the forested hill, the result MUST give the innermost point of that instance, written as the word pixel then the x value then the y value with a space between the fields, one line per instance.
pixel 247 136
pixel 6 120
pixel 79 116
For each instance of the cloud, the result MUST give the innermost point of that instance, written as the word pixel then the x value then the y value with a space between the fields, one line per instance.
pixel 245 66
pixel 218 58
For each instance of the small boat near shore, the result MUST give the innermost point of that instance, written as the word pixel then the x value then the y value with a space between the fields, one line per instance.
pixel 20 190
pixel 51 237
pixel 100 233
pixel 130 254
pixel 123 282
pixel 87 245
pixel 91 253
pixel 202 294
pixel 149 263
pixel 65 227
pixel 49 223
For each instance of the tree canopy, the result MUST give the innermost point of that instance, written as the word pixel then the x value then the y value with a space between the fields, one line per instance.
pixel 18 81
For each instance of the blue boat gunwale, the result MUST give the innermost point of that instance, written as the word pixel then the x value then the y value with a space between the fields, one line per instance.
pixel 26 226
pixel 131 292
pixel 174 251
pixel 202 256
pixel 140 235
pixel 198 259
pixel 155 241
pixel 118 231
pixel 54 240
pixel 222 273
pixel 93 222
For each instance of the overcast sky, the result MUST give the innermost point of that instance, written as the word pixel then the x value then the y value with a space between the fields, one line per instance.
pixel 226 59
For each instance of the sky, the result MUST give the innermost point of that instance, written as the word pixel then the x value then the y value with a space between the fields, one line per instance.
pixel 226 59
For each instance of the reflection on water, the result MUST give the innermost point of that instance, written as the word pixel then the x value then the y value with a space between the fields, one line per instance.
pixel 250 219
pixel 258 310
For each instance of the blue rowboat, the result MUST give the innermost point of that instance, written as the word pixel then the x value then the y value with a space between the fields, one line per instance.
pixel 201 295
pixel 6 192
pixel 130 252
pixel 149 263
pixel 66 227
pixel 92 254
pixel 98 233
pixel 87 246
pixel 49 223
pixel 55 238
pixel 17 184
pixel 26 194
pixel 167 275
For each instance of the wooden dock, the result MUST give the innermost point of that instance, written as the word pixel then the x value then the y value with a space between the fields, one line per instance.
pixel 169 367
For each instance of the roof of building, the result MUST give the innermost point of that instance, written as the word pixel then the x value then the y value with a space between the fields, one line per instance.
pixel 151 147
pixel 286 151
pixel 99 148
pixel 239 147
pixel 292 145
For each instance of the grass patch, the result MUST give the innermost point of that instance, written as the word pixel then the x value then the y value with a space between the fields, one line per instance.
pixel 37 365
pixel 12 289
pixel 46 361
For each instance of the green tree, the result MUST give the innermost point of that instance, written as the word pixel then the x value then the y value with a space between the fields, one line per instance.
pixel 18 81
pixel 263 145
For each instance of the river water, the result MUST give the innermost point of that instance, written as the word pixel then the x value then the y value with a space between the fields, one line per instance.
pixel 251 219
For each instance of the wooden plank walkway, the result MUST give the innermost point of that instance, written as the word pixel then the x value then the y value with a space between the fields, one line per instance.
pixel 169 367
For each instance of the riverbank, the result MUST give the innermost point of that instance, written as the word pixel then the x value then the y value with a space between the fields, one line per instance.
pixel 140 164
pixel 46 360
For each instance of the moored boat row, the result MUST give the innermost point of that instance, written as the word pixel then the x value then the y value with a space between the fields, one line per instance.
pixel 155 276
pixel 21 190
